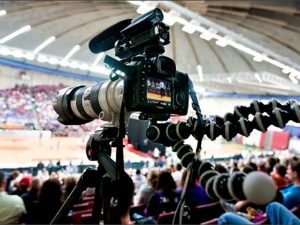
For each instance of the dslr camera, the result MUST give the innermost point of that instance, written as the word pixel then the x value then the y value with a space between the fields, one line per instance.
pixel 143 80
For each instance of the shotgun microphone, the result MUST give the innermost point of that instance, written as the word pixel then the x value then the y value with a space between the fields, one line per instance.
pixel 107 38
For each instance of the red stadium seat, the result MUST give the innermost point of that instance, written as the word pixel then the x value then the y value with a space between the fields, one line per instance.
pixel 212 221
pixel 139 209
pixel 206 212
pixel 83 206
pixel 75 217
pixel 86 218
pixel 165 218
pixel 88 198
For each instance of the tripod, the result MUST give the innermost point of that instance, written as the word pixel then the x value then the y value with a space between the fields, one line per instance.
pixel 104 179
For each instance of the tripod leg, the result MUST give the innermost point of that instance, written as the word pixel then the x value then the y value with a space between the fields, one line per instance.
pixel 98 201
pixel 87 179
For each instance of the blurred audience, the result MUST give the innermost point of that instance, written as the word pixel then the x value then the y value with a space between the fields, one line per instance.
pixel 165 198
pixel 30 199
pixel 279 176
pixel 177 174
pixel 147 190
pixel 49 202
pixel 12 207
pixel 196 194
pixel 139 180
pixel 32 106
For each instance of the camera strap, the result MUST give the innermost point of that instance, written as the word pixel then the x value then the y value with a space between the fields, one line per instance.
pixel 200 121
pixel 192 167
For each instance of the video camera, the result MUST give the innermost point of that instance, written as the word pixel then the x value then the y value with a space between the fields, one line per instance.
pixel 143 79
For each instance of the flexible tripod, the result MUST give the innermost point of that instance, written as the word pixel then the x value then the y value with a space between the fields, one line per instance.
pixel 104 179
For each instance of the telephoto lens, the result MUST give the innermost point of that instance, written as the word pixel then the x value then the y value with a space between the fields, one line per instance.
pixel 77 105
pixel 82 104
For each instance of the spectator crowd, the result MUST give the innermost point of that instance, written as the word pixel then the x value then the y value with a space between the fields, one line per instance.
pixel 150 194
pixel 33 108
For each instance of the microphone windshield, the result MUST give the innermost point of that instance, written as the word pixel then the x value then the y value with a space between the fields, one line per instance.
pixel 107 38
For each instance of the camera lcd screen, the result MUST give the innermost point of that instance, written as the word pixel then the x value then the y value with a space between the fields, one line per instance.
pixel 159 90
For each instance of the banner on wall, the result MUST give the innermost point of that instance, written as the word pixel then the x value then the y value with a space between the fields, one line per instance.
pixel 270 140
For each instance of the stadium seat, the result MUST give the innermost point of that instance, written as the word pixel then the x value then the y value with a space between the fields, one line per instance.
pixel 139 209
pixel 212 221
pixel 86 218
pixel 88 198
pixel 83 206
pixel 75 217
pixel 206 212
pixel 165 218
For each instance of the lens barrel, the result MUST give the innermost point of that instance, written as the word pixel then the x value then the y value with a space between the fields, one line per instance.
pixel 77 105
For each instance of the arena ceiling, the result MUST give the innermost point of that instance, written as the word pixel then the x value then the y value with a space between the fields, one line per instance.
pixel 248 47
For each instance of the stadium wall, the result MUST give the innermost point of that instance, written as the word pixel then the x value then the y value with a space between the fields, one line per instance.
pixel 12 73
pixel 10 76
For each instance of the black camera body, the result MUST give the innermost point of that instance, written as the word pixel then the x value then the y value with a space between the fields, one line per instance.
pixel 154 86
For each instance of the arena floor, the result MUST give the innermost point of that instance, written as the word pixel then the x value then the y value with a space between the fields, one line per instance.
pixel 25 151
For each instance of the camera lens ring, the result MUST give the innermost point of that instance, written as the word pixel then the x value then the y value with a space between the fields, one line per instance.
pixel 66 104
pixel 63 107
pixel 87 105
pixel 59 104
pixel 79 104
pixel 74 103
pixel 94 98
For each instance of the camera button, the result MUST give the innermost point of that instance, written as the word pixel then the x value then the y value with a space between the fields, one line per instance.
pixel 180 99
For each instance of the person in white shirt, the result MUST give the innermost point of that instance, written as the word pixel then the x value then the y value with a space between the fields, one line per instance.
pixel 138 180
pixel 177 174
pixel 11 206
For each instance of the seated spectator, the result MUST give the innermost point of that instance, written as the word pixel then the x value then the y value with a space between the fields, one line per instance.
pixel 125 201
pixel 196 194
pixel 261 166
pixel 220 168
pixel 177 174
pixel 23 185
pixel 234 167
pixel 11 206
pixel 11 182
pixel 247 169
pixel 147 190
pixel 271 162
pixel 253 165
pixel 138 180
pixel 165 198
pixel 276 213
pixel 278 175
pixel 30 198
pixel 291 194
pixel 69 184
pixel 50 201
